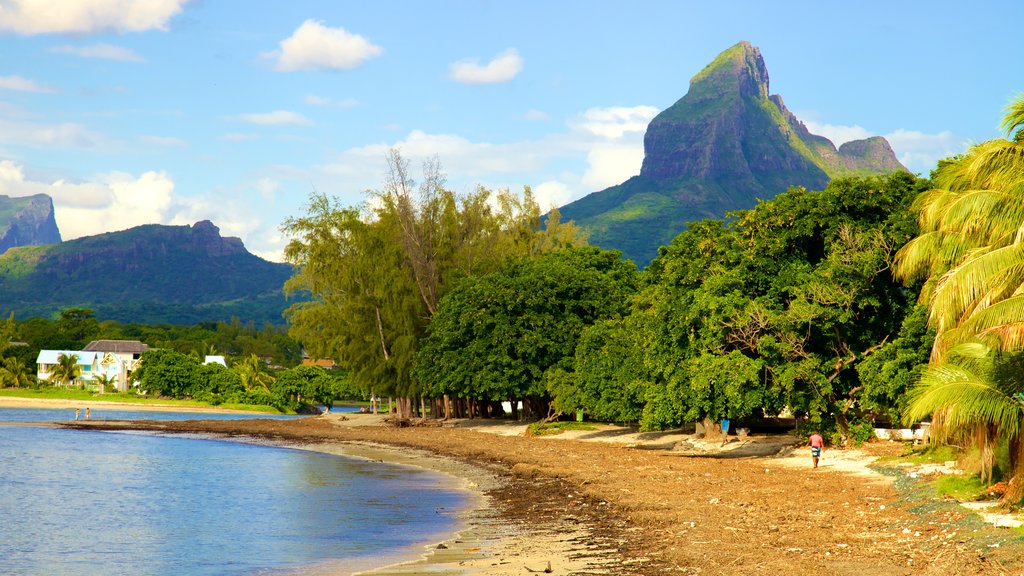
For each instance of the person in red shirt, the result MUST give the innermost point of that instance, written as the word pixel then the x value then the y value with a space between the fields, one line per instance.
pixel 817 443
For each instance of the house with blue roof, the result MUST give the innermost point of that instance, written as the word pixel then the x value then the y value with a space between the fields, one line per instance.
pixel 115 359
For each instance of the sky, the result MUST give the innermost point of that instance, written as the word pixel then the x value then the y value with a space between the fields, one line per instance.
pixel 236 111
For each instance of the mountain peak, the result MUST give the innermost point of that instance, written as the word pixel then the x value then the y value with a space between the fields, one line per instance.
pixel 727 143
pixel 27 221
pixel 739 69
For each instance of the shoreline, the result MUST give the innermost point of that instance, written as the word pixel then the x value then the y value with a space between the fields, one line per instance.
pixel 67 404
pixel 596 504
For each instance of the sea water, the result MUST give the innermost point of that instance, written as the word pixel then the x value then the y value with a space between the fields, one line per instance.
pixel 89 502
pixel 108 413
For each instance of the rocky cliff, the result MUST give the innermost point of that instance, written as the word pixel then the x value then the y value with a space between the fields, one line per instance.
pixel 27 221
pixel 725 144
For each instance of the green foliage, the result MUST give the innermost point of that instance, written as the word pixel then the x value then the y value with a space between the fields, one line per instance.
pixel 778 309
pixel 962 487
pixel 552 428
pixel 497 336
pixel 149 274
pixel 377 276
pixel 167 373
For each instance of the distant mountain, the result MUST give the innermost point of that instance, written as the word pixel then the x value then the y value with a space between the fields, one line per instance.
pixel 27 221
pixel 150 274
pixel 721 147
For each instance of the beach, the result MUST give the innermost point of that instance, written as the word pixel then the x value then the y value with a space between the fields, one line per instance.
pixel 64 404
pixel 612 501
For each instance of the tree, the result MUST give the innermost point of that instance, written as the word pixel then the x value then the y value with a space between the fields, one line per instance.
pixel 500 336
pixel 376 274
pixel 66 370
pixel 253 373
pixel 78 324
pixel 971 255
pixel 978 394
pixel 103 381
pixel 168 373
pixel 14 373
pixel 775 309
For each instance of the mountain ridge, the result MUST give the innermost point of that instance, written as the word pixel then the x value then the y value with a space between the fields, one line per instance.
pixel 727 143
pixel 151 274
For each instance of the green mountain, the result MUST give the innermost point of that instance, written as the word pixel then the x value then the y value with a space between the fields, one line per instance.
pixel 721 147
pixel 151 274
pixel 27 221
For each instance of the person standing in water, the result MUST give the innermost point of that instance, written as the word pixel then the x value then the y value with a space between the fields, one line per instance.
pixel 817 443
pixel 88 415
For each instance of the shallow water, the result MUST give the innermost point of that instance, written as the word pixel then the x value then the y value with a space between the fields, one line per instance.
pixel 86 502
pixel 104 413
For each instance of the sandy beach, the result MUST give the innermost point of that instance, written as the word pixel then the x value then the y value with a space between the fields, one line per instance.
pixel 612 501
pixel 100 405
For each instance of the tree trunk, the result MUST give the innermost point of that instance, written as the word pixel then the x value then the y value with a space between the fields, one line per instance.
pixel 447 407
pixel 1015 485
pixel 515 409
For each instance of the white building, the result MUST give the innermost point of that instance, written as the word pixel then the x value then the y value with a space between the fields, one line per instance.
pixel 116 359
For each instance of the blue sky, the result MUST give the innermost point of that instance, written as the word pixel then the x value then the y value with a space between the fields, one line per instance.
pixel 173 111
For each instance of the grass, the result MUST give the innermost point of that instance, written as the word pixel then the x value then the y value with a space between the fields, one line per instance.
pixel 960 487
pixel 552 428
pixel 929 453
pixel 87 395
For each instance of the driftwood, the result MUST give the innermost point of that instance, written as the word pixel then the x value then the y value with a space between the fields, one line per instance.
pixel 547 570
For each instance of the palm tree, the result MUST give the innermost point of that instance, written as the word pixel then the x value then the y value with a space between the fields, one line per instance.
pixel 14 373
pixel 971 245
pixel 66 370
pixel 253 375
pixel 970 252
pixel 103 380
pixel 976 395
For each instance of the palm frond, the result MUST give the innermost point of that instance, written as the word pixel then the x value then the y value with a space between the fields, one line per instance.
pixel 931 254
pixel 1013 116
pixel 967 396
pixel 995 320
pixel 962 289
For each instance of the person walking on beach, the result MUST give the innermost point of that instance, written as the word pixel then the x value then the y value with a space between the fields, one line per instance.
pixel 817 443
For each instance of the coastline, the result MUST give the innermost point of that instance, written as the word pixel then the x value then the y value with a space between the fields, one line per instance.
pixel 621 503
pixel 65 404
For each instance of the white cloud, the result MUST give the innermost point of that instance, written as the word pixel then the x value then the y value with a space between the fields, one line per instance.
pixel 918 151
pixel 615 122
pixel 838 134
pixel 20 132
pixel 611 164
pixel 921 152
pixel 29 17
pixel 169 141
pixel 19 84
pixel 314 46
pixel 552 194
pixel 239 137
pixel 276 118
pixel 100 52
pixel 313 100
pixel 535 115
pixel 113 201
pixel 267 187
pixel 502 68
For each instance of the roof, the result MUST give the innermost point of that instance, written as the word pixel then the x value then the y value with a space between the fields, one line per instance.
pixel 322 362
pixel 50 356
pixel 117 346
